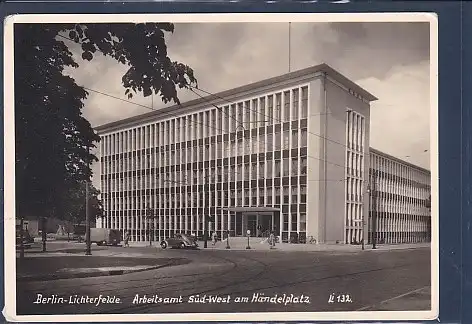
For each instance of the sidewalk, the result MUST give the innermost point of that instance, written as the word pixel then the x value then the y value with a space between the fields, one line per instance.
pixel 416 300
pixel 256 245
pixel 62 265
pixel 240 244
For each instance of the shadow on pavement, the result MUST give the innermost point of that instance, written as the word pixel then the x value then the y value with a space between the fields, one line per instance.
pixel 64 267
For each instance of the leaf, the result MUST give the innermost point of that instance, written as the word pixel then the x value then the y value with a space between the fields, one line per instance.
pixel 50 129
pixel 87 56
pixel 72 34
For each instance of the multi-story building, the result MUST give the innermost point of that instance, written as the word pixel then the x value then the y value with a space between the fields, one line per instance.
pixel 288 154
pixel 400 200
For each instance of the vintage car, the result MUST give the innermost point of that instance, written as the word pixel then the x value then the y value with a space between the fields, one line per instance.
pixel 181 241
pixel 28 240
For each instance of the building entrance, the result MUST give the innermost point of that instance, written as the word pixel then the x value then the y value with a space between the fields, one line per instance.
pixel 260 224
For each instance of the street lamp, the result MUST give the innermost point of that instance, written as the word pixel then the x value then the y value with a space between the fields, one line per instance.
pixel 374 211
pixel 88 243
pixel 363 219
pixel 150 218
pixel 227 239
pixel 248 232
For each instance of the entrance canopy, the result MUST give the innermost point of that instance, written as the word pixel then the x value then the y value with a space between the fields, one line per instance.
pixel 251 209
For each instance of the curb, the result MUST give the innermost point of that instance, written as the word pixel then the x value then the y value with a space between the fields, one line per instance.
pixel 51 277
pixel 320 250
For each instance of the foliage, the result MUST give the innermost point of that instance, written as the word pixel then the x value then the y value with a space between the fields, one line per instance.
pixel 52 136
pixel 76 209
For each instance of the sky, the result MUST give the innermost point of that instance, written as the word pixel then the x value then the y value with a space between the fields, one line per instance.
pixel 390 60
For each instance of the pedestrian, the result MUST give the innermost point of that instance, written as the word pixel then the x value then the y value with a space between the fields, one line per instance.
pixel 126 239
pixel 272 240
pixel 213 238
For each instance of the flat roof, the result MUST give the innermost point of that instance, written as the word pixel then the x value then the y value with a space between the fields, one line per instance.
pixel 259 84
pixel 391 157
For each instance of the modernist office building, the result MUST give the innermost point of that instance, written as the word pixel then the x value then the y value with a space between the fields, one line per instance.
pixel 288 154
pixel 400 204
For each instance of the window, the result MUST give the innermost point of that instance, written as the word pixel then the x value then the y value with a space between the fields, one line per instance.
pixel 303 166
pixel 303 140
pixel 277 142
pixel 287 105
pixel 269 170
pixel 303 193
pixel 261 170
pixel 262 116
pixel 255 114
pixel 269 143
pixel 247 107
pixel 295 138
pixel 294 166
pixel 233 118
pixel 270 109
pixel 294 222
pixel 254 144
pixel 302 222
pixel 286 143
pixel 226 118
pixel 254 171
pixel 304 112
pixel 286 168
pixel 277 168
pixel 269 196
pixel 240 115
pixel 278 104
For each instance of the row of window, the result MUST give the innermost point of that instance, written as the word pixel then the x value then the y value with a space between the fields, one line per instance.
pixel 401 222
pixel 401 189
pixel 388 166
pixel 285 167
pixel 254 197
pixel 255 145
pixel 355 131
pixel 354 186
pixel 266 110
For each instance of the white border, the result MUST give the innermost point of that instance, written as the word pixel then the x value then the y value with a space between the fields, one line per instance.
pixel 9 165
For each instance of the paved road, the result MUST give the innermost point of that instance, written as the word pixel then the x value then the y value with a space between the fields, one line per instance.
pixel 367 277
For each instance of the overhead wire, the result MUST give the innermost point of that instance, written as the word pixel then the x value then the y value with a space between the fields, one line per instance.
pixel 196 122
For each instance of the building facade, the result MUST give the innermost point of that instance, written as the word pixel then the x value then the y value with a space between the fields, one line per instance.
pixel 400 200
pixel 276 155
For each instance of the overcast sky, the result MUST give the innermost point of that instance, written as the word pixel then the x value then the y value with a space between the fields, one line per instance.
pixel 390 60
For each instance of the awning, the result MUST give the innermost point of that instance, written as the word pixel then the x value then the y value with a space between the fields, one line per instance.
pixel 251 209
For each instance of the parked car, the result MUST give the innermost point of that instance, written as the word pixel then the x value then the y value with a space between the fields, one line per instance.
pixel 28 240
pixel 105 236
pixel 181 241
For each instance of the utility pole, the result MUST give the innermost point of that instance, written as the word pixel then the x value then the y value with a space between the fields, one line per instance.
pixel 44 233
pixel 205 235
pixel 374 210
pixel 88 250
pixel 150 220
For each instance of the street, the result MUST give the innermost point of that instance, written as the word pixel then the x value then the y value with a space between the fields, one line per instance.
pixel 319 281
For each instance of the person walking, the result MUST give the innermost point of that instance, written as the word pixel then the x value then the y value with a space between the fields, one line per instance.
pixel 127 239
pixel 272 240
pixel 213 237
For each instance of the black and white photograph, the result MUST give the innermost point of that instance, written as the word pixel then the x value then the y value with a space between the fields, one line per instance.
pixel 221 167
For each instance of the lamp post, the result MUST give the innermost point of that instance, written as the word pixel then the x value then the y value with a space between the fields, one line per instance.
pixel 374 212
pixel 150 218
pixel 363 219
pixel 205 238
pixel 88 243
pixel 227 240
pixel 248 232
